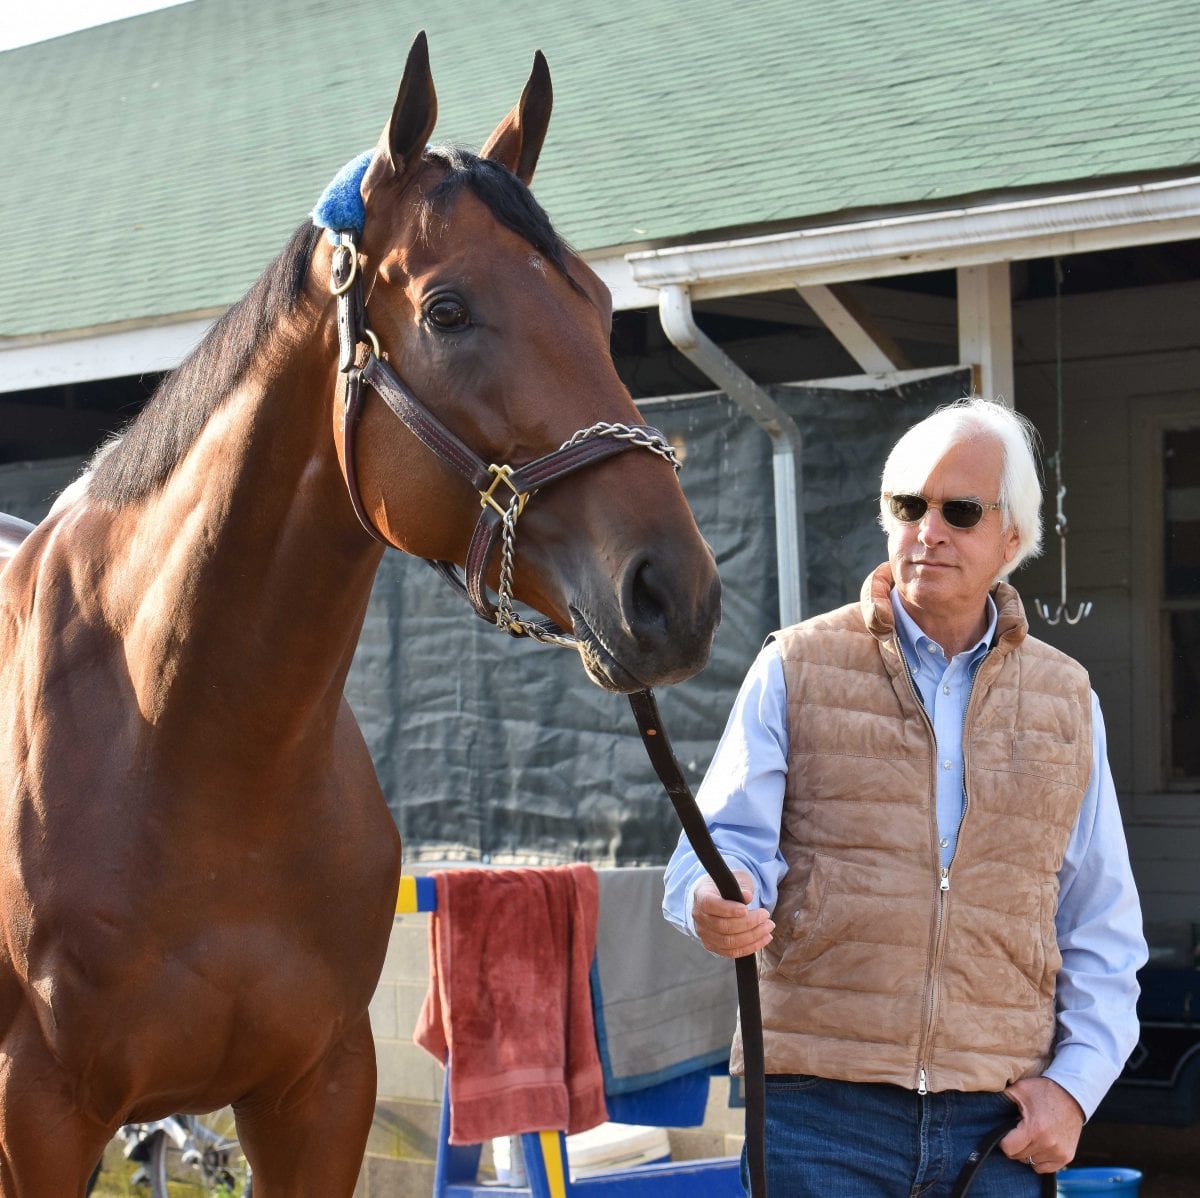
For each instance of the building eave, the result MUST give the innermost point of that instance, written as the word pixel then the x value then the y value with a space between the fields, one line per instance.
pixel 912 243
pixel 882 246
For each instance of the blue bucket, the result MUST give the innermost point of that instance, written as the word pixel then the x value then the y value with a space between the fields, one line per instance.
pixel 1098 1182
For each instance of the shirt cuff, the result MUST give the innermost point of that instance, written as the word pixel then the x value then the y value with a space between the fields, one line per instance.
pixel 1086 1075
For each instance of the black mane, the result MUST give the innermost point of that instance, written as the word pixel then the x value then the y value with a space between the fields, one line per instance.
pixel 169 424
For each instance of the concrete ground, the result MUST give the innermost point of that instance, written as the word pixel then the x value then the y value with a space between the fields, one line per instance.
pixel 1168 1157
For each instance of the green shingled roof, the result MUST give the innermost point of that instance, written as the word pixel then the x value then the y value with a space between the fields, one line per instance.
pixel 154 165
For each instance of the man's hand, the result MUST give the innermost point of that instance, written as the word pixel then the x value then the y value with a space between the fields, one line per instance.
pixel 727 928
pixel 1051 1121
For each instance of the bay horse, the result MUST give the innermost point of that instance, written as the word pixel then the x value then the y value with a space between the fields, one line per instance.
pixel 197 867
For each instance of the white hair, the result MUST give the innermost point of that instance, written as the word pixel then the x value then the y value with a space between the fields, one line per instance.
pixel 917 453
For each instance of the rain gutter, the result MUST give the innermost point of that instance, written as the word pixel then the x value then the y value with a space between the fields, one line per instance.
pixel 679 324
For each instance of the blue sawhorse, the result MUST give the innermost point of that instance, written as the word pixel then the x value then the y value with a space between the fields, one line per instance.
pixel 545 1153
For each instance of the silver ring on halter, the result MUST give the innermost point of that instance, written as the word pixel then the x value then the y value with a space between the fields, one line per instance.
pixel 344 243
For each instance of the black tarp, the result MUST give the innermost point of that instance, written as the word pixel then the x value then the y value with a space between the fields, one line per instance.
pixel 491 749
pixel 502 751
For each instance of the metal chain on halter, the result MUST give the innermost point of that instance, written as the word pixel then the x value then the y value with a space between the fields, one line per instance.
pixel 506 615
pixel 638 435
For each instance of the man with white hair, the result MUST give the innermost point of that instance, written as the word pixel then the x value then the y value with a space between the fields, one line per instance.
pixel 915 796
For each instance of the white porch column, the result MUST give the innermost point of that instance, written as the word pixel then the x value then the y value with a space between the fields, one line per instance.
pixel 985 328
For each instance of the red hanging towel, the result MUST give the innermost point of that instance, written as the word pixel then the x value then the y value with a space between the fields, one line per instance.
pixel 509 1000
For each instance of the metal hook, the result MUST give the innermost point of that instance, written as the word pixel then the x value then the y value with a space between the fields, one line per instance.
pixel 1062 612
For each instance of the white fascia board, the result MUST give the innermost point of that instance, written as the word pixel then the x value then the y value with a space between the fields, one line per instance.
pixel 27 364
pixel 616 274
pixel 1108 218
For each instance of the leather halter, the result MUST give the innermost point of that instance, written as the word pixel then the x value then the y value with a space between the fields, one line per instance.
pixel 503 490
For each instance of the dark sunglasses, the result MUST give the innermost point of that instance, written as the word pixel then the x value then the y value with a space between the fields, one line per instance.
pixel 958 513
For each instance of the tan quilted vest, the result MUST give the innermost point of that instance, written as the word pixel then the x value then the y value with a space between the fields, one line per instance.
pixel 882 969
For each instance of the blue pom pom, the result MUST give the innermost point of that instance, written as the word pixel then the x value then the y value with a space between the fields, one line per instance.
pixel 340 208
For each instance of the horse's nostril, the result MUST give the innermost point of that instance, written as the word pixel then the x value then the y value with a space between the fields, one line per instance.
pixel 646 601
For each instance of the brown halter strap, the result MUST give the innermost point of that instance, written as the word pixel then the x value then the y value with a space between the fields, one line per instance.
pixel 503 490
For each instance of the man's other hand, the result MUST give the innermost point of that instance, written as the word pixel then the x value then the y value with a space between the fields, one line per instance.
pixel 1051 1121
pixel 727 928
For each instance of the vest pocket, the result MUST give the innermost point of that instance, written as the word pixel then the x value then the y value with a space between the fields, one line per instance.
pixel 1043 756
pixel 1006 959
pixel 1051 957
pixel 805 917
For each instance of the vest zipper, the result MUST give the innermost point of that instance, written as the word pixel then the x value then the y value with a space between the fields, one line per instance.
pixel 929 999
pixel 931 985
pixel 936 931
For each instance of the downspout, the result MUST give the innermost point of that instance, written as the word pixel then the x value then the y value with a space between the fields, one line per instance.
pixel 679 324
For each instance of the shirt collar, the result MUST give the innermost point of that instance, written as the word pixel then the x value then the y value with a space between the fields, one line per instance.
pixel 911 635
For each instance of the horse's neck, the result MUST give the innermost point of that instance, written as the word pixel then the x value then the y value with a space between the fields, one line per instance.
pixel 242 584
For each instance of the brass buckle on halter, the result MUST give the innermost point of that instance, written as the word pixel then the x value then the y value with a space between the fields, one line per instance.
pixel 502 475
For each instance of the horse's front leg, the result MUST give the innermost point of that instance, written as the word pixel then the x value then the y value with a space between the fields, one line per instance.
pixel 309 1142
pixel 48 1146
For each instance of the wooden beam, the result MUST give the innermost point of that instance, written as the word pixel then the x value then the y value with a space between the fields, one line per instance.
pixel 875 382
pixel 849 322
pixel 985 328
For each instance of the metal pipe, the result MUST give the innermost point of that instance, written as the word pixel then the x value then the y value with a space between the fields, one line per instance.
pixel 679 324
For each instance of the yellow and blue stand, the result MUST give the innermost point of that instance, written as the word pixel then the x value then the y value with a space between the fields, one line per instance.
pixel 545 1152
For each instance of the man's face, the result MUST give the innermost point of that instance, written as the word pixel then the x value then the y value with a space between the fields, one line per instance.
pixel 945 573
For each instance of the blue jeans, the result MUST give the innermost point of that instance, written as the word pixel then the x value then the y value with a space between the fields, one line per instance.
pixel 831 1139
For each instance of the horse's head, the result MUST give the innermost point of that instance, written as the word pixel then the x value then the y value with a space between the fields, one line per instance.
pixel 502 333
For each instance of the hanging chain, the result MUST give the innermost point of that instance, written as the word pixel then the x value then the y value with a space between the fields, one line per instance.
pixel 1062 611
pixel 506 615
pixel 1060 518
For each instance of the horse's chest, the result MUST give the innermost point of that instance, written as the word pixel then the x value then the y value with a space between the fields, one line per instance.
pixel 183 950
pixel 180 991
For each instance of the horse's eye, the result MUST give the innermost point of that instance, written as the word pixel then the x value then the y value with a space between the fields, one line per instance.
pixel 447 313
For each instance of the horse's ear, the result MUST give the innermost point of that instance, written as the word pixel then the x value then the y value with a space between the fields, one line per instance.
pixel 518 138
pixel 413 117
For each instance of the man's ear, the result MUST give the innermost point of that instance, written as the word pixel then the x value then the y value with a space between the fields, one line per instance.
pixel 517 140
pixel 1012 542
pixel 407 132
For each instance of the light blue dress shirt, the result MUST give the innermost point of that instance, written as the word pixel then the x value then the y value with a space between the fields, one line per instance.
pixel 1099 920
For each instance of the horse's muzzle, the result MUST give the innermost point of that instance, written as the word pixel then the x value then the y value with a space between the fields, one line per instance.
pixel 661 633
